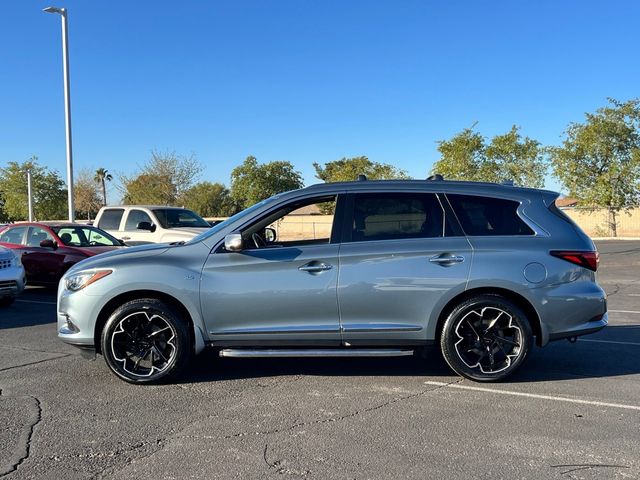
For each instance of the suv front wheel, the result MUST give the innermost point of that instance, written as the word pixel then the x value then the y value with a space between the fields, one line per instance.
pixel 486 338
pixel 145 341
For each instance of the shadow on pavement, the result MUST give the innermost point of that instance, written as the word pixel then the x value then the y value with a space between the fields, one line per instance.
pixel 559 360
pixel 35 306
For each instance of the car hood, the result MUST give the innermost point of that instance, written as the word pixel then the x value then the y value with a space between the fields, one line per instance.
pixel 185 232
pixel 105 259
pixel 91 251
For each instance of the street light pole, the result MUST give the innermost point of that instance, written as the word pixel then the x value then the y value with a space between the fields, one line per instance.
pixel 67 104
pixel 29 196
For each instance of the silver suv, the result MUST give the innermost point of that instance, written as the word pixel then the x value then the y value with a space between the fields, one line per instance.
pixel 382 268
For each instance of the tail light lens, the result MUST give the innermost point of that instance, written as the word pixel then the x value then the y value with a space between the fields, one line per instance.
pixel 588 260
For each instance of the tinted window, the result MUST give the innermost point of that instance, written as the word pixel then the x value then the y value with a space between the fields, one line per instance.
pixel 110 219
pixel 134 218
pixel 36 235
pixel 488 216
pixel 176 218
pixel 388 216
pixel 13 235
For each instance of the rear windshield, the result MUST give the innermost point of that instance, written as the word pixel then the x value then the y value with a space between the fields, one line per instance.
pixel 176 218
pixel 484 216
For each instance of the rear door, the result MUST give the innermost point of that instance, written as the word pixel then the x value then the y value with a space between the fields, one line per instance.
pixel 399 256
pixel 110 220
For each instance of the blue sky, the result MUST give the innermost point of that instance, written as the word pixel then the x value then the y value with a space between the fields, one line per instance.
pixel 304 81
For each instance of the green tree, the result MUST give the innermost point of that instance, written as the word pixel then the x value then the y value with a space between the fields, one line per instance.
pixel 348 169
pixel 49 194
pixel 162 180
pixel 85 194
pixel 102 175
pixel 467 156
pixel 209 200
pixel 149 189
pixel 4 217
pixel 599 160
pixel 251 182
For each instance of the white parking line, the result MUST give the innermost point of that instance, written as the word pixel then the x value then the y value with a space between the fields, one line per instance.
pixel 624 311
pixel 534 395
pixel 36 301
pixel 609 341
pixel 634 294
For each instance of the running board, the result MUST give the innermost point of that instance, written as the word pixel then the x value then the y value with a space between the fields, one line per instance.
pixel 319 352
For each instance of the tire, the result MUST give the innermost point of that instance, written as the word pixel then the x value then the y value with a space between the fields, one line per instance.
pixel 146 341
pixel 486 338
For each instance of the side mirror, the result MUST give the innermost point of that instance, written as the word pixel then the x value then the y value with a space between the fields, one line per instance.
pixel 233 242
pixel 270 235
pixel 146 226
pixel 48 243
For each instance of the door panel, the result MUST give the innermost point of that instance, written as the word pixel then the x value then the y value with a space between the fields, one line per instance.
pixel 262 297
pixel 387 289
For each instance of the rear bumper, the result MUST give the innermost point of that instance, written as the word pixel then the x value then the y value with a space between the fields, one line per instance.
pixel 570 310
pixel 592 326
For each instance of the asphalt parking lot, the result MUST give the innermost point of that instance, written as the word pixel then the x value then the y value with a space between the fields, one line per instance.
pixel 572 412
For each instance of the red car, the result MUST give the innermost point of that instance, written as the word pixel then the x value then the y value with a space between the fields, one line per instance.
pixel 49 249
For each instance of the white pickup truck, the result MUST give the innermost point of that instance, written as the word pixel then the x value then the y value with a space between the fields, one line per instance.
pixel 140 224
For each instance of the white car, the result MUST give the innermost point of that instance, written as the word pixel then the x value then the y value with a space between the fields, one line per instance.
pixel 140 224
pixel 12 276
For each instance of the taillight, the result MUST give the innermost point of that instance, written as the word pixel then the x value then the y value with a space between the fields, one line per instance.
pixel 588 260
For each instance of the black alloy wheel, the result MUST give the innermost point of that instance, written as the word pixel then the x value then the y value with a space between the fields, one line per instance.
pixel 486 338
pixel 145 341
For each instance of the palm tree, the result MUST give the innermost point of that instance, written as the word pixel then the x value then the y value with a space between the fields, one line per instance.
pixel 103 174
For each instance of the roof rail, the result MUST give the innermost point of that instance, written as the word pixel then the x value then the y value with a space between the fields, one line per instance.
pixel 362 178
pixel 508 183
pixel 436 177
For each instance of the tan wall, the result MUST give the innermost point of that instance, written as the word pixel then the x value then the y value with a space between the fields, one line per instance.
pixel 596 224
pixel 593 222
pixel 294 227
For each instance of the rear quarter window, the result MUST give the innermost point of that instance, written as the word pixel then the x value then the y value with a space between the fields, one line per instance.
pixel 110 219
pixel 487 216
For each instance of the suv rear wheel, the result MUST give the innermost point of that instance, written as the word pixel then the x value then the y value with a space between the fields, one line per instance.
pixel 145 341
pixel 486 338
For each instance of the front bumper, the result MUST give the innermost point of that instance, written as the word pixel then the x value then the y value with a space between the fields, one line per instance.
pixel 12 281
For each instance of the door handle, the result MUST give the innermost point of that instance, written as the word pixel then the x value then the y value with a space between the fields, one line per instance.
pixel 315 267
pixel 448 259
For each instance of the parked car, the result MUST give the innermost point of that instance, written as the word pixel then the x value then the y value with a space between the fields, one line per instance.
pixel 12 277
pixel 481 270
pixel 142 224
pixel 47 250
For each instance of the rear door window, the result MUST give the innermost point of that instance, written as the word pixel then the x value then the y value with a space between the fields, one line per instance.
pixel 486 216
pixel 110 219
pixel 393 216
pixel 36 235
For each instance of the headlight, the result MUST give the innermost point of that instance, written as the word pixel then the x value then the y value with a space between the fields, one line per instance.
pixel 80 280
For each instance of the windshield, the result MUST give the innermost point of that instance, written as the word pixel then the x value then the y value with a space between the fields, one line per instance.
pixel 85 237
pixel 232 219
pixel 177 218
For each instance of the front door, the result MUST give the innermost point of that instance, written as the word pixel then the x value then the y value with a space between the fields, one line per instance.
pixel 281 288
